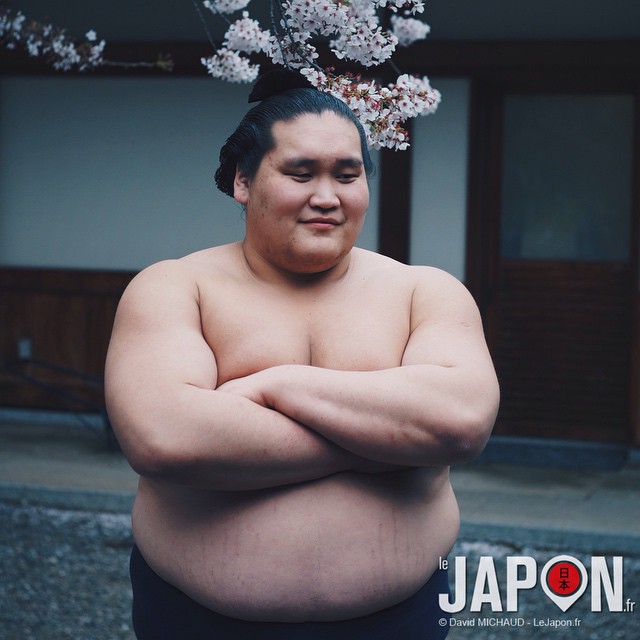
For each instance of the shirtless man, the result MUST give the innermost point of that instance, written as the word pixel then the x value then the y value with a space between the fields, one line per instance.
pixel 292 405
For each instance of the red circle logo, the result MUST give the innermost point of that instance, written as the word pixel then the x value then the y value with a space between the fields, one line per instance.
pixel 564 578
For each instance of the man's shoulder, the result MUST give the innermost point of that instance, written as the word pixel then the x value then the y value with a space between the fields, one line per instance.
pixel 417 274
pixel 427 286
pixel 191 266
pixel 185 275
pixel 213 257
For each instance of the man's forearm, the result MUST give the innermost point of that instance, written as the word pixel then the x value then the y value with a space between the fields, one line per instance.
pixel 219 441
pixel 412 415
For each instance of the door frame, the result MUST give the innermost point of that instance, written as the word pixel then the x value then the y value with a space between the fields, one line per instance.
pixel 484 196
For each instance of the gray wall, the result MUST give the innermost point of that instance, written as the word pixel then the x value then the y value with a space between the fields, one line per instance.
pixel 439 182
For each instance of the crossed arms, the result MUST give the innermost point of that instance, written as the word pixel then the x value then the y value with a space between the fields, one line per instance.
pixel 292 423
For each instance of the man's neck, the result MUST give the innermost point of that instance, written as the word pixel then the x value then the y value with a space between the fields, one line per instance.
pixel 302 277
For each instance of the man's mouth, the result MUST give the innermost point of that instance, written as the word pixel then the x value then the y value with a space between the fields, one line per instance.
pixel 321 223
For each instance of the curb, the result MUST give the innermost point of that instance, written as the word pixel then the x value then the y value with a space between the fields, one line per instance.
pixel 66 499
pixel 518 536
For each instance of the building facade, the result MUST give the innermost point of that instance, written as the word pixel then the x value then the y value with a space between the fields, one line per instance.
pixel 525 185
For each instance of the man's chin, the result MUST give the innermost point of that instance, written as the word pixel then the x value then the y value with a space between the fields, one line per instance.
pixel 316 265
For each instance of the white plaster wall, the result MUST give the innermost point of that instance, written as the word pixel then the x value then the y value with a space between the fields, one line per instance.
pixel 117 173
pixel 439 181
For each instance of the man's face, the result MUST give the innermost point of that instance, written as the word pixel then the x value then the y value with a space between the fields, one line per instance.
pixel 306 204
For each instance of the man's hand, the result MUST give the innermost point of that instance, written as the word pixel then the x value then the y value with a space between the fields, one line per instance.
pixel 251 387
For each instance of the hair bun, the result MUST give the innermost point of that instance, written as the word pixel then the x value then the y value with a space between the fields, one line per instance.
pixel 277 81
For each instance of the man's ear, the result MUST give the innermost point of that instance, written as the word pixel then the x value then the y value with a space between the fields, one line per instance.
pixel 240 187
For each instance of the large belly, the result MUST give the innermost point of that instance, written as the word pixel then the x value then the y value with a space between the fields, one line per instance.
pixel 331 549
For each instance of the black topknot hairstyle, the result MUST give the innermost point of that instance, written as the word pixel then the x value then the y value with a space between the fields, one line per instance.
pixel 283 95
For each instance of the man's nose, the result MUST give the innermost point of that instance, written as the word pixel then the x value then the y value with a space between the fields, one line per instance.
pixel 324 195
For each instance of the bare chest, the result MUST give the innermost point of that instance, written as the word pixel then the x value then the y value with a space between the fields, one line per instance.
pixel 360 328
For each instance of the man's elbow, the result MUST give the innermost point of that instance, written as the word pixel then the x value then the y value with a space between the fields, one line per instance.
pixel 469 445
pixel 149 460
pixel 467 438
pixel 147 450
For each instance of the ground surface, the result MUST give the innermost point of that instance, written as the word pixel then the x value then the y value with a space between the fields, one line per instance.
pixel 64 575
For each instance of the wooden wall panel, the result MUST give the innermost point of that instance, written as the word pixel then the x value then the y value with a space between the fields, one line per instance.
pixel 63 319
pixel 563 352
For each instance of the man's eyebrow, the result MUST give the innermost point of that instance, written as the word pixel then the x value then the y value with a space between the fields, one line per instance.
pixel 295 163
pixel 355 163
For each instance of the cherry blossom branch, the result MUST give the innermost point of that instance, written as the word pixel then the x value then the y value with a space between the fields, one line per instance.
pixel 351 27
pixel 60 51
